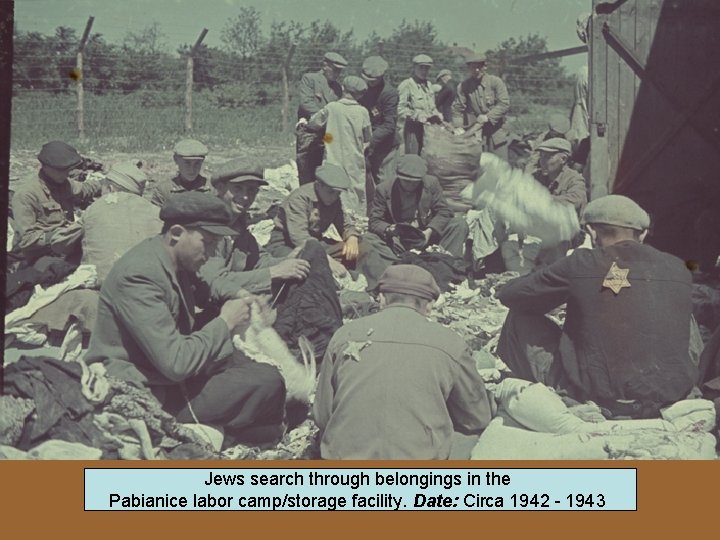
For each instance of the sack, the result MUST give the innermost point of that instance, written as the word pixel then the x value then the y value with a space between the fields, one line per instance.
pixel 454 160
pixel 114 224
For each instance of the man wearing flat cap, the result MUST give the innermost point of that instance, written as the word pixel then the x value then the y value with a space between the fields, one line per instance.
pixel 309 211
pixel 146 333
pixel 239 262
pixel 44 205
pixel 416 105
pixel 625 343
pixel 395 385
pixel 315 91
pixel 381 101
pixel 556 128
pixel 414 198
pixel 445 97
pixel 347 129
pixel 119 219
pixel 189 156
pixel 481 106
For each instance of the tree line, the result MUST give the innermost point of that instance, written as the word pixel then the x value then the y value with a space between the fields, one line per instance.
pixel 246 68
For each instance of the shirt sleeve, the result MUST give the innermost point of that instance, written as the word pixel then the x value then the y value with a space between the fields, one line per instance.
pixel 497 113
pixel 325 393
pixel 542 290
pixel 32 235
pixel 406 109
pixel 296 218
pixel 141 309
pixel 458 108
pixel 308 102
pixel 319 119
pixel 389 111
pixel 377 222
pixel 575 194
pixel 469 403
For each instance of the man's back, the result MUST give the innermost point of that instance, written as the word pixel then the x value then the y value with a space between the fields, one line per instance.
pixel 632 344
pixel 400 395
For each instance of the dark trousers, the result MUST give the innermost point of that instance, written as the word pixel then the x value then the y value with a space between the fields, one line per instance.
pixel 244 398
pixel 414 134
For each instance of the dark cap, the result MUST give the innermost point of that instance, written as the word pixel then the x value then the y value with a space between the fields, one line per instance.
pixel 59 155
pixel 239 170
pixel 411 167
pixel 409 279
pixel 336 60
pixel 476 58
pixel 554 145
pixel 333 176
pixel 198 210
pixel 423 60
pixel 616 210
pixel 190 149
pixel 374 67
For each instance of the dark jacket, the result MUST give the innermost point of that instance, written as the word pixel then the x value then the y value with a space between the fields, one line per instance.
pixel 432 211
pixel 381 101
pixel 445 98
pixel 630 345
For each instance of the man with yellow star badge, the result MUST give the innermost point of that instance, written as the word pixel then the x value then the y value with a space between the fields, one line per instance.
pixel 625 343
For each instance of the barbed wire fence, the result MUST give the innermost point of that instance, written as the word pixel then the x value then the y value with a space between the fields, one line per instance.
pixel 226 100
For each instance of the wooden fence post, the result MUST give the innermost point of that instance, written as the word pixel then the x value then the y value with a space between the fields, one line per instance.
pixel 79 78
pixel 189 80
pixel 286 89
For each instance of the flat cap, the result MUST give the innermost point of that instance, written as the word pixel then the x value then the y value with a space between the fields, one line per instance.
pixel 442 73
pixel 559 123
pixel 333 176
pixel 190 149
pixel 354 85
pixel 127 175
pixel 198 209
pixel 336 60
pixel 239 170
pixel 554 145
pixel 411 167
pixel 616 210
pixel 374 67
pixel 476 58
pixel 59 155
pixel 423 60
pixel 409 279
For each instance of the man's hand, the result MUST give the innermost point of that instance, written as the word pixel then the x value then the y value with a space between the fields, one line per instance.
pixel 482 120
pixel 236 312
pixel 427 233
pixel 435 119
pixel 390 231
pixel 338 270
pixel 290 269
pixel 351 249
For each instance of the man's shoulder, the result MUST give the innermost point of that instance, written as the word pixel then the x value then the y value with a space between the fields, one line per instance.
pixel 28 185
pixel 313 76
pixel 431 181
pixel 407 83
pixel 571 175
pixel 493 80
pixel 141 260
pixel 385 187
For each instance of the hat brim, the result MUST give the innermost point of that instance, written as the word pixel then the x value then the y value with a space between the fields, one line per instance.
pixel 428 64
pixel 369 78
pixel 61 167
pixel 247 178
pixel 214 228
pixel 408 178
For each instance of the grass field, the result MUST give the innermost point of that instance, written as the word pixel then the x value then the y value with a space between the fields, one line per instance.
pixel 126 123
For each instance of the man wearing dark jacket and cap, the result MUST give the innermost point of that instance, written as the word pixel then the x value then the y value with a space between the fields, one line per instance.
pixel 412 198
pixel 445 97
pixel 315 91
pixel 381 101
pixel 146 330
pixel 395 385
pixel 44 205
pixel 189 156
pixel 626 338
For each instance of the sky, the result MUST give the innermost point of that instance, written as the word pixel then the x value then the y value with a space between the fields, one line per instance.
pixel 477 24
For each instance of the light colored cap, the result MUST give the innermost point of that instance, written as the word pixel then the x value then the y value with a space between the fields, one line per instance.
pixel 559 123
pixel 190 149
pixel 374 67
pixel 335 59
pixel 616 210
pixel 333 176
pixel 127 175
pixel 476 58
pixel 354 85
pixel 442 73
pixel 423 60
pixel 554 145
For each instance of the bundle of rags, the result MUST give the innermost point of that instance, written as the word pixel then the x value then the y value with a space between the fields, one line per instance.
pixel 454 160
pixel 522 203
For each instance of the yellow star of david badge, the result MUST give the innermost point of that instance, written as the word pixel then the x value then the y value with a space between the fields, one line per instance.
pixel 616 278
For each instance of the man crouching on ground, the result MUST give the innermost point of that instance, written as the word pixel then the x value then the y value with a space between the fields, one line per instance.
pixel 145 331
pixel 394 385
